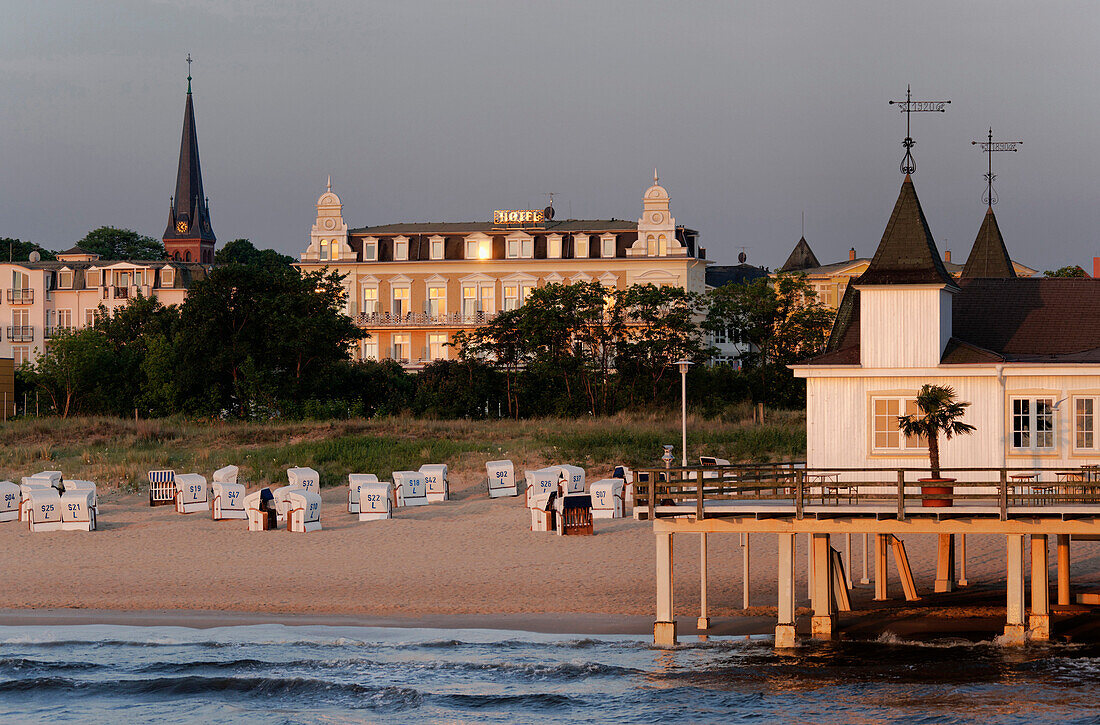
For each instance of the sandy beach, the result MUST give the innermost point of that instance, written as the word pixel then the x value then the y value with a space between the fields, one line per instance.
pixel 468 562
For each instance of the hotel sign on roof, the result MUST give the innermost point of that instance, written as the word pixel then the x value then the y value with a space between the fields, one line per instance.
pixel 508 217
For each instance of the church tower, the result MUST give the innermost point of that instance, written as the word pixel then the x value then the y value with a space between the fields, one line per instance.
pixel 189 236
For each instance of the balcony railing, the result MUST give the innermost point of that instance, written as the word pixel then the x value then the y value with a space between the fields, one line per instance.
pixel 56 330
pixel 420 319
pixel 20 333
pixel 21 296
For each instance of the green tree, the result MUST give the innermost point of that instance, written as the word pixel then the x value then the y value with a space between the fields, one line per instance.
pixel 70 370
pixel 112 243
pixel 19 251
pixel 1072 270
pixel 939 413
pixel 137 333
pixel 242 251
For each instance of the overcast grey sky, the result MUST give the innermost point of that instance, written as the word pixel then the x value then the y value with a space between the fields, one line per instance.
pixel 443 110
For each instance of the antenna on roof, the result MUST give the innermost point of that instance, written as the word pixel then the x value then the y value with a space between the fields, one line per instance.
pixel 548 212
pixel 989 146
pixel 803 224
pixel 909 106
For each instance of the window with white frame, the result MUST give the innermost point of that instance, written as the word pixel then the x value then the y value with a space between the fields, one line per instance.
pixel 370 349
pixel 370 249
pixel 527 248
pixel 580 246
pixel 662 245
pixel 64 319
pixel 607 246
pixel 89 318
pixel 437 247
pixel 479 249
pixel 400 250
pixel 167 277
pixel 324 250
pixel 651 245
pixel 20 318
pixel 400 301
pixel 1033 423
pixel 370 300
pixel 886 434
pixel 92 277
pixel 513 249
pixel 525 291
pixel 553 246
pixel 511 296
pixel 437 301
pixel 402 347
pixel 65 279
pixel 1086 423
pixel 21 354
pixel 487 294
pixel 437 342
pixel 20 280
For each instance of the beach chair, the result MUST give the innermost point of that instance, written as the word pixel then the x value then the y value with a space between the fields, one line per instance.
pixel 259 518
pixel 500 479
pixel 628 478
pixel 607 498
pixel 542 510
pixel 76 485
pixel 375 498
pixel 354 479
pixel 78 509
pixel 10 498
pixel 304 514
pixel 44 510
pixel 162 487
pixel 228 474
pixel 191 494
pixel 53 478
pixel 304 478
pixel 539 483
pixel 227 500
pixel 282 501
pixel 410 488
pixel 435 481
pixel 572 479
pixel 29 484
pixel 574 514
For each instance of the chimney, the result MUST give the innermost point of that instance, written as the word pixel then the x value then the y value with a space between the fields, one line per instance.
pixel 1096 267
pixel 852 254
pixel 947 255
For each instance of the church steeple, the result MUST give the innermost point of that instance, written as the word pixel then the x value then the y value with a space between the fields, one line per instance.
pixel 189 235
pixel 989 256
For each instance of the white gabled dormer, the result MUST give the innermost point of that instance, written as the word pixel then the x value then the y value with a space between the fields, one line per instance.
pixel 905 294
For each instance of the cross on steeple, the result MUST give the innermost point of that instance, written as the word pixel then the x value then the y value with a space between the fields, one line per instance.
pixel 989 147
pixel 188 72
pixel 909 106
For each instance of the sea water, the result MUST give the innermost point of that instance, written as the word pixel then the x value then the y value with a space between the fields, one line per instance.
pixel 313 674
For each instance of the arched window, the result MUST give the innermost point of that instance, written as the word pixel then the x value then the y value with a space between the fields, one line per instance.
pixel 187 256
pixel 324 250
pixel 651 245
pixel 662 246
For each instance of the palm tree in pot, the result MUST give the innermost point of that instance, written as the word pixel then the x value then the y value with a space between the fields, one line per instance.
pixel 939 413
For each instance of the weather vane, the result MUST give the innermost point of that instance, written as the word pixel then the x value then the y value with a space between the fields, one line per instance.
pixel 909 106
pixel 188 72
pixel 989 147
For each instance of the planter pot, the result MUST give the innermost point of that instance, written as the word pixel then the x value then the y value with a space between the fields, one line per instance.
pixel 934 486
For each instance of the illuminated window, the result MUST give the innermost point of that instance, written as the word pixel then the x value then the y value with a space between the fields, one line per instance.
pixel 1084 423
pixel 525 291
pixel 527 248
pixel 651 245
pixel 886 433
pixel 553 246
pixel 167 277
pixel 437 346
pixel 662 246
pixel 437 301
pixel 1032 423
pixel 400 301
pixel 324 250
pixel 479 249
pixel 400 250
pixel 513 249
pixel 65 279
pixel 370 250
pixel 607 247
pixel 370 300
pixel 437 248
pixel 511 296
pixel 334 249
pixel 402 347
pixel 580 246
pixel 370 349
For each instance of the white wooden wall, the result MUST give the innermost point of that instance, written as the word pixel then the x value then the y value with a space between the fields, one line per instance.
pixel 903 326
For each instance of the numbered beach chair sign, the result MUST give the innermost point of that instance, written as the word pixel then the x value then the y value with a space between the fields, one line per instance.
pixel 411 490
pixel 78 509
pixel 501 479
pixel 607 498
pixel 191 494
pixel 572 478
pixel 540 483
pixel 10 498
pixel 29 485
pixel 374 497
pixel 45 512
pixel 162 487
pixel 354 479
pixel 304 514
pixel 304 478
pixel 228 501
pixel 435 480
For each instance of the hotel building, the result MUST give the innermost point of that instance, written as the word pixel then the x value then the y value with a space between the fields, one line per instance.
pixel 413 286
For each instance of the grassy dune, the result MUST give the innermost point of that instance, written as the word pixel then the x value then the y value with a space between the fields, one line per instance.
pixel 118 453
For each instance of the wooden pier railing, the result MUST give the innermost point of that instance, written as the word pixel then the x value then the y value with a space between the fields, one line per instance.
pixel 792 490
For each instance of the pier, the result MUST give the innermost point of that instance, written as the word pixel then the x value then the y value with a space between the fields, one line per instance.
pixel 1036 503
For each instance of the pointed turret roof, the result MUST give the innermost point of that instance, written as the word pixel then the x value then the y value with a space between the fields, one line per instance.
pixel 189 202
pixel 989 257
pixel 907 253
pixel 802 257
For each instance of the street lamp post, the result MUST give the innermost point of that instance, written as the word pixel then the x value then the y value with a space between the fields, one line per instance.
pixel 684 365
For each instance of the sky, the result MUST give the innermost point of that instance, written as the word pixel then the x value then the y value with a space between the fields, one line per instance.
pixel 755 114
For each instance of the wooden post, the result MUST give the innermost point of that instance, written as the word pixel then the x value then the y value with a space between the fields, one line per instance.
pixel 704 619
pixel 1039 621
pixel 800 494
pixel 881 573
pixel 810 568
pixel 745 573
pixel 945 564
pixel 864 579
pixel 824 619
pixel 664 629
pixel 1004 494
pixel 784 628
pixel 1015 630
pixel 901 495
pixel 962 561
pixel 848 560
pixel 1063 570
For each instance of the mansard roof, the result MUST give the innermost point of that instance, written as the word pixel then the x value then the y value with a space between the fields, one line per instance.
pixel 802 257
pixel 907 253
pixel 989 256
